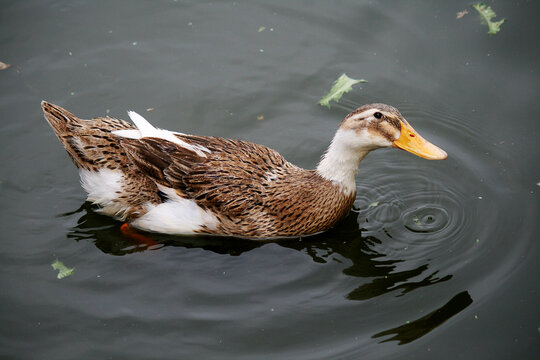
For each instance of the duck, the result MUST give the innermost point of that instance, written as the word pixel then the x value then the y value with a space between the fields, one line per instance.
pixel 161 181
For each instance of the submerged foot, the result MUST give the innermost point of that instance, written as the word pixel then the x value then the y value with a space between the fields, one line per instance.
pixel 141 239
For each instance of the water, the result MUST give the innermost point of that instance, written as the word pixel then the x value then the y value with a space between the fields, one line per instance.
pixel 436 259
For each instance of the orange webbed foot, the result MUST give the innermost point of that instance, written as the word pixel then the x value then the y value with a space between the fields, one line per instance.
pixel 141 239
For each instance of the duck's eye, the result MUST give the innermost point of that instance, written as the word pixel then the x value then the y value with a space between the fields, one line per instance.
pixel 377 115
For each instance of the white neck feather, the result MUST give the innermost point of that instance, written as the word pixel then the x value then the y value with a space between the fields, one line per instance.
pixel 340 162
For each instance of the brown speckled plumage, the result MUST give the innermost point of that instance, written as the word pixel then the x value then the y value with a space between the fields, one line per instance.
pixel 252 189
pixel 230 187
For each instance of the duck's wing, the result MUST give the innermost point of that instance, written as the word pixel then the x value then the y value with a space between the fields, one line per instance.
pixel 226 176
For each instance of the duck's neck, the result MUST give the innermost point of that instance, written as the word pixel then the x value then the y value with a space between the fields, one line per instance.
pixel 340 162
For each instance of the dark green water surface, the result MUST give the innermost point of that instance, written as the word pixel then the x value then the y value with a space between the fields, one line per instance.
pixel 442 265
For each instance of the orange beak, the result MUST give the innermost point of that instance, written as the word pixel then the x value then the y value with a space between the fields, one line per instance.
pixel 411 141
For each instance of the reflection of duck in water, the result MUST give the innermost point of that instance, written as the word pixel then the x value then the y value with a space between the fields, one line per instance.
pixel 174 183
pixel 379 272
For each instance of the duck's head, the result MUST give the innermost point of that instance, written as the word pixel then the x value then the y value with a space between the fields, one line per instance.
pixel 375 126
pixel 368 128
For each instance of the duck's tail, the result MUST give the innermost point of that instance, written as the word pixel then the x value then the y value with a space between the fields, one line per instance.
pixel 59 118
pixel 89 143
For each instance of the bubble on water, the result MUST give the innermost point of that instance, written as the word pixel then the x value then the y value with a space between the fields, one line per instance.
pixel 425 219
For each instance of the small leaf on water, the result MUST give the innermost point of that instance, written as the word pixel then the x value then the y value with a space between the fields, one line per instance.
pixel 487 15
pixel 341 86
pixel 63 270
pixel 373 204
pixel 261 29
pixel 4 65
pixel 416 220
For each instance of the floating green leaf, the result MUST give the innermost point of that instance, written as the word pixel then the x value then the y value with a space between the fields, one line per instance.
pixel 63 270
pixel 373 204
pixel 342 85
pixel 487 15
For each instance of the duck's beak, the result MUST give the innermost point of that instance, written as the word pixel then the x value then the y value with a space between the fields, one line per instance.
pixel 411 141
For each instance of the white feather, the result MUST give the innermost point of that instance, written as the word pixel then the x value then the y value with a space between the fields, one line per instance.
pixel 103 188
pixel 132 134
pixel 145 129
pixel 176 216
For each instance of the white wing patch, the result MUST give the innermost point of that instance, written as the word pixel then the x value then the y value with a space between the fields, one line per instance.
pixel 131 134
pixel 145 129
